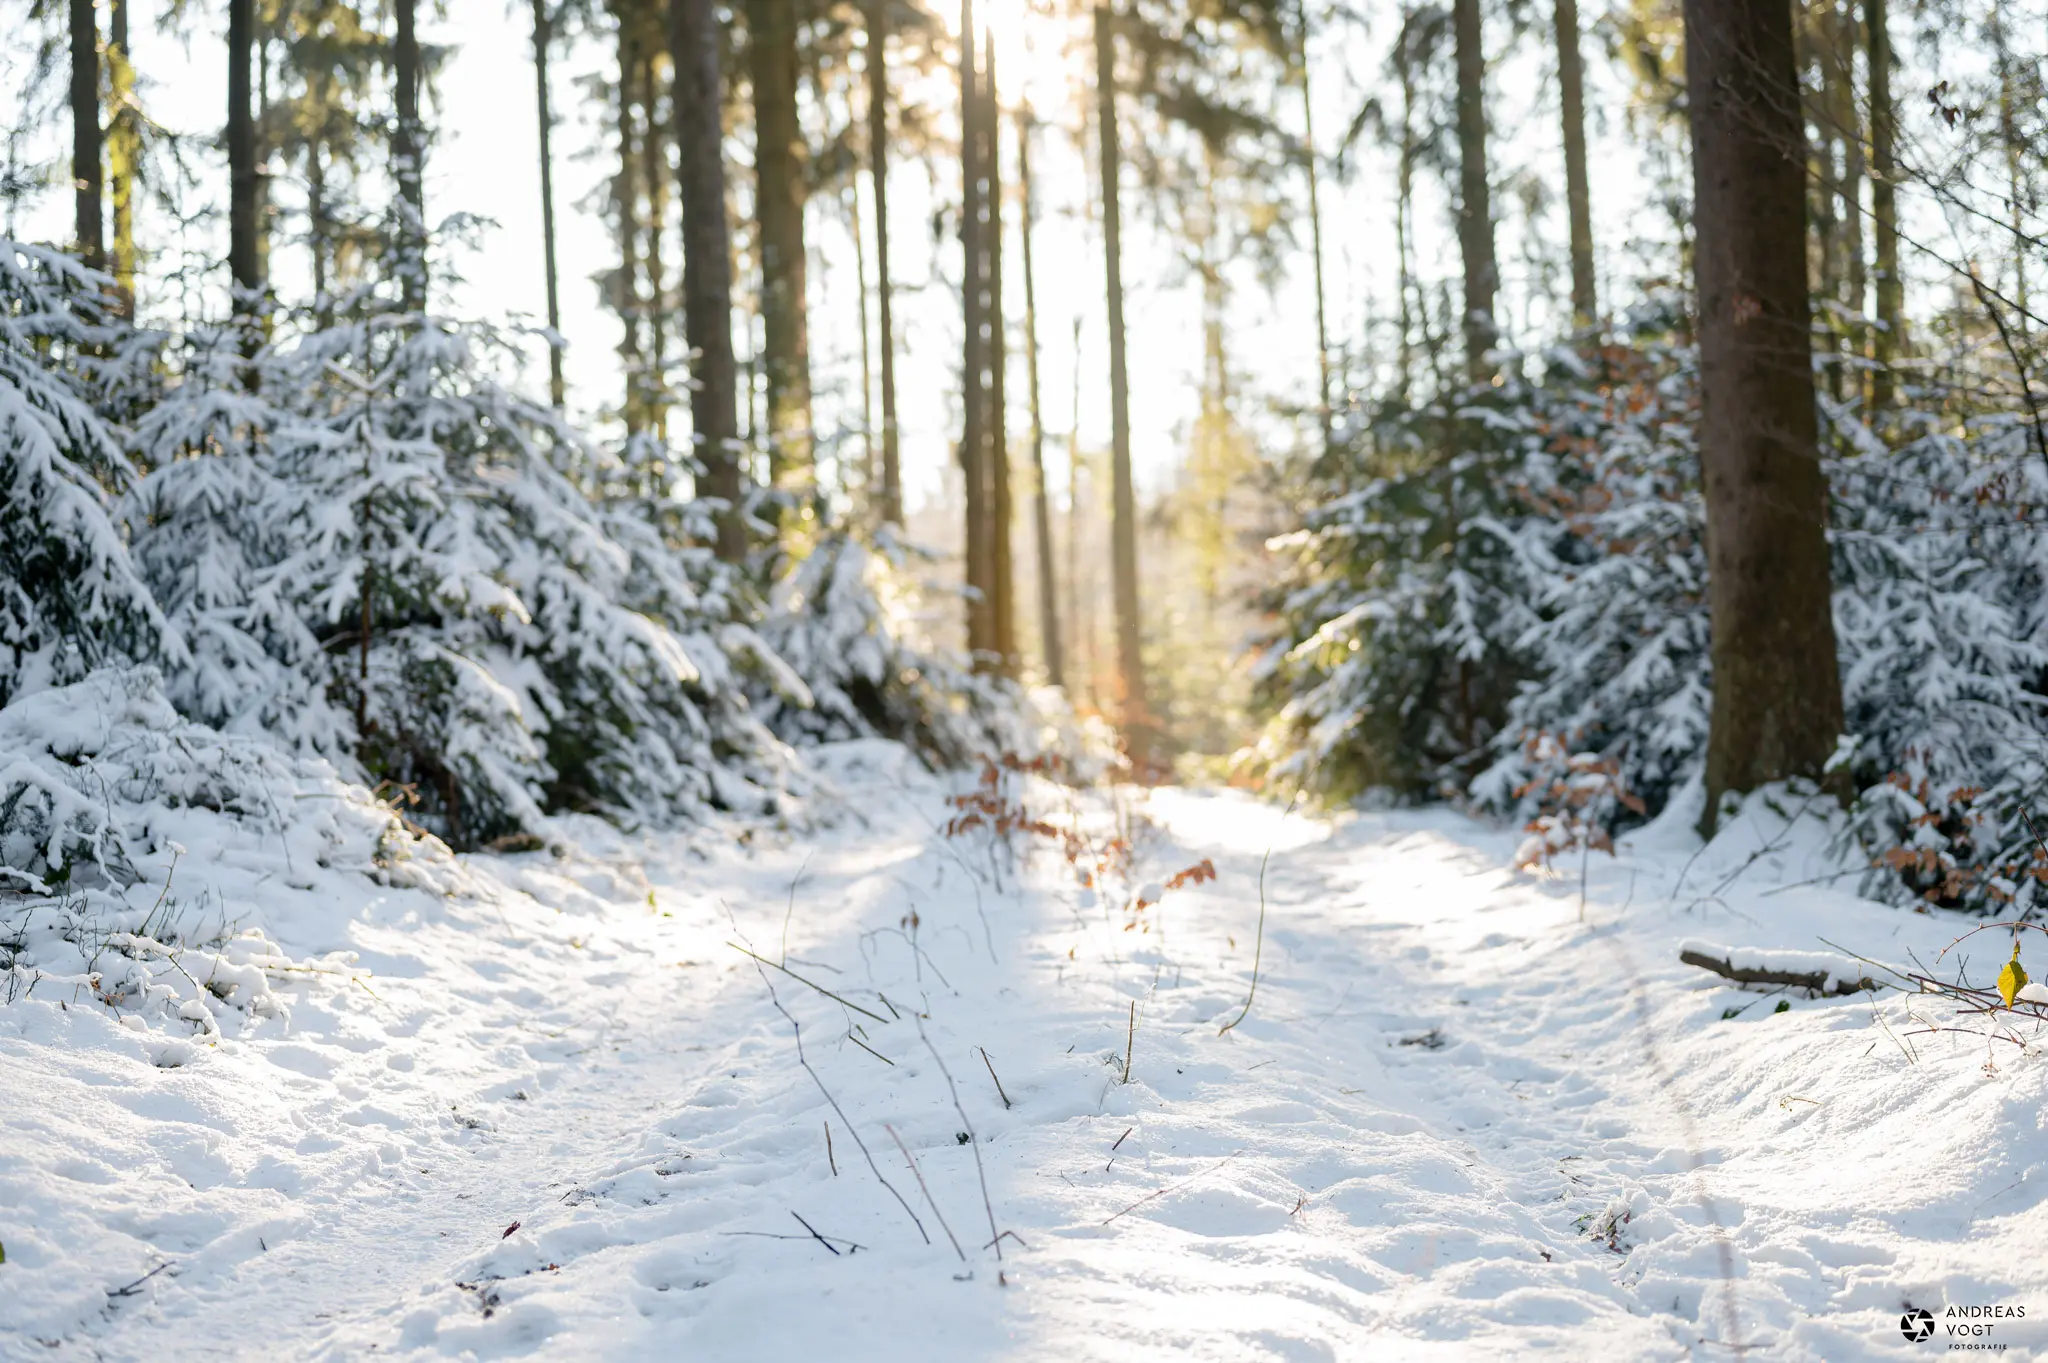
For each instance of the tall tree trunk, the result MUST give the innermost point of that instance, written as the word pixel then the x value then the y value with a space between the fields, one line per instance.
pixel 1578 196
pixel 1884 204
pixel 1324 412
pixel 979 548
pixel 1404 202
pixel 654 381
pixel 1048 587
pixel 1002 510
pixel 1855 278
pixel 1777 707
pixel 878 167
pixel 408 147
pixel 124 153
pixel 543 40
pixel 244 193
pixel 1136 713
pixel 707 261
pixel 867 353
pixel 626 194
pixel 1475 196
pixel 86 175
pixel 779 207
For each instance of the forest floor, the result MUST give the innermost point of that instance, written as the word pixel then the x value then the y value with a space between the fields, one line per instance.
pixel 564 1116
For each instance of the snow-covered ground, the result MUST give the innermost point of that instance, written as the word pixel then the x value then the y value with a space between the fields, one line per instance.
pixel 558 1112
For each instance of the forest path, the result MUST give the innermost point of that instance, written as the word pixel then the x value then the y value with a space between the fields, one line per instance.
pixel 1456 1121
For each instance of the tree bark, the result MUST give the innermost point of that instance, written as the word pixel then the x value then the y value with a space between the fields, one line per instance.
pixel 878 167
pixel 654 378
pixel 1048 586
pixel 779 194
pixel 1475 197
pixel 1324 413
pixel 707 261
pixel 124 153
pixel 1002 509
pixel 626 197
pixel 978 545
pixel 1777 708
pixel 1884 204
pixel 244 197
pixel 408 150
pixel 1578 195
pixel 86 175
pixel 543 40
pixel 1136 714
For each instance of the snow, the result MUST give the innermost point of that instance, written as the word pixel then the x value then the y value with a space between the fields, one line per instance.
pixel 543 1105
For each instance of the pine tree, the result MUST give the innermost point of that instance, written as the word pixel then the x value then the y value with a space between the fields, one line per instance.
pixel 1475 193
pixel 543 42
pixel 891 505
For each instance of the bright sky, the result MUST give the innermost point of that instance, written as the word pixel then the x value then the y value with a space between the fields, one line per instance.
pixel 484 162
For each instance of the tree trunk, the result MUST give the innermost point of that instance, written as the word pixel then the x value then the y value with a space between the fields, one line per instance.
pixel 1048 587
pixel 1324 412
pixel 707 261
pixel 978 546
pixel 85 133
pixel 626 195
pixel 1578 196
pixel 1136 714
pixel 878 166
pixel 543 39
pixel 779 207
pixel 408 151
pixel 867 352
pixel 1777 707
pixel 244 199
pixel 654 379
pixel 1475 198
pixel 1884 204
pixel 124 153
pixel 1002 510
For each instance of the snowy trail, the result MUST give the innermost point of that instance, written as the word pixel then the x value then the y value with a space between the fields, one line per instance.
pixel 1456 1122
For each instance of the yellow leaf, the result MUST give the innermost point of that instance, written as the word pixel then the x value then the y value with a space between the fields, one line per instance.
pixel 2013 978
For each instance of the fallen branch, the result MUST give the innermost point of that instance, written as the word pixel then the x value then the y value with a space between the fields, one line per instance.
pixel 1823 983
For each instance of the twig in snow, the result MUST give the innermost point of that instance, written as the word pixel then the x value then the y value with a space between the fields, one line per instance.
pixel 870 1050
pixel 973 1144
pixel 922 1187
pixel 796 1029
pixel 136 1286
pixel 1259 945
pixel 814 1233
pixel 1121 1139
pixel 852 1246
pixel 844 1003
pixel 1131 1040
pixel 1007 1104
pixel 828 1151
pixel 790 910
pixel 1174 1187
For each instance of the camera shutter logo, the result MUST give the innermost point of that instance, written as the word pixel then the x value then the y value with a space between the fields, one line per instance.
pixel 1917 1325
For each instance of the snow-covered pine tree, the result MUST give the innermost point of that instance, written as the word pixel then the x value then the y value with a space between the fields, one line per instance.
pixel 70 599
